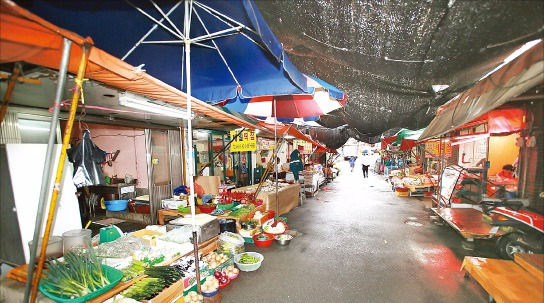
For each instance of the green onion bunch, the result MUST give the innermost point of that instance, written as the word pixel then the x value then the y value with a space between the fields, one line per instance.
pixel 77 275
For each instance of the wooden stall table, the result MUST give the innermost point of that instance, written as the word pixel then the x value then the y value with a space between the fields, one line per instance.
pixel 533 263
pixel 288 197
pixel 424 190
pixel 468 222
pixel 505 280
pixel 162 213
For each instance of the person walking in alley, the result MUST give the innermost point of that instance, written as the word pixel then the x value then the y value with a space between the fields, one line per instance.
pixel 367 161
pixel 352 163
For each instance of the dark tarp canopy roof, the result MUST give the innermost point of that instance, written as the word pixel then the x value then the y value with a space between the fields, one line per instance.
pixel 386 55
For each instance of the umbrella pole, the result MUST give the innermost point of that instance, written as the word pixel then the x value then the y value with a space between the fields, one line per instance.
pixel 190 170
pixel 60 168
pixel 47 165
pixel 275 159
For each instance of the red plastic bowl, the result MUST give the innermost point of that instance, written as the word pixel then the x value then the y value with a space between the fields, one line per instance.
pixel 207 210
pixel 402 189
pixel 223 285
pixel 262 243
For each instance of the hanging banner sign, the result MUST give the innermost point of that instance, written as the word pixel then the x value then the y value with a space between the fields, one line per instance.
pixel 303 147
pixel 265 144
pixel 434 147
pixel 247 141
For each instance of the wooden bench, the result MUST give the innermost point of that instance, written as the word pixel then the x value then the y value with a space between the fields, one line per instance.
pixel 520 280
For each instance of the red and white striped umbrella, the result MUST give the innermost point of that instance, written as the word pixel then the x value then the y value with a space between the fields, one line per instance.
pixel 324 99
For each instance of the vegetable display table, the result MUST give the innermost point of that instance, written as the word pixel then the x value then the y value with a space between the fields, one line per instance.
pixel 170 213
pixel 288 197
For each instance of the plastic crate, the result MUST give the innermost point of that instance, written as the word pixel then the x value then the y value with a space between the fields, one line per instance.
pixel 402 194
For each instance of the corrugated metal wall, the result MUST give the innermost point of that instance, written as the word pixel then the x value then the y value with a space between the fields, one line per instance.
pixel 163 191
pixel 9 131
pixel 176 166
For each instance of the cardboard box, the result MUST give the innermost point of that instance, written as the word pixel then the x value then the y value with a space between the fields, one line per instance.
pixel 146 232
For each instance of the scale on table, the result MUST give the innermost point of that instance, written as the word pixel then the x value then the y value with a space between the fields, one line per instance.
pixel 110 233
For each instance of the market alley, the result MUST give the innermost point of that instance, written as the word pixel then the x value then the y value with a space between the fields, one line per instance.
pixel 361 243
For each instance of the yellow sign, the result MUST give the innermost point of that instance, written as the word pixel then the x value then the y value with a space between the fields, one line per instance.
pixel 303 147
pixel 434 148
pixel 246 141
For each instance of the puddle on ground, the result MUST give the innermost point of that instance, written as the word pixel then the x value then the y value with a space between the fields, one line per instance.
pixel 413 223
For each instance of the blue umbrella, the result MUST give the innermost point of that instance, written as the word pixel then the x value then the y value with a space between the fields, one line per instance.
pixel 242 59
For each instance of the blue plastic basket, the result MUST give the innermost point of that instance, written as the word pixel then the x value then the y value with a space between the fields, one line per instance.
pixel 116 205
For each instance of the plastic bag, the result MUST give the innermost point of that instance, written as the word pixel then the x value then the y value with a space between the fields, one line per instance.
pixel 230 243
pixel 87 157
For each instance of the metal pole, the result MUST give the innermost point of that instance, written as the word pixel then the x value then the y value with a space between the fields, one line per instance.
pixel 60 168
pixel 190 171
pixel 48 161
pixel 275 159
pixel 440 172
pixel 221 151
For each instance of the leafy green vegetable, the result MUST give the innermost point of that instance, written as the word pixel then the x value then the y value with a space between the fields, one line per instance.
pixel 249 222
pixel 154 261
pixel 79 274
pixel 144 289
pixel 240 212
pixel 134 270
pixel 168 274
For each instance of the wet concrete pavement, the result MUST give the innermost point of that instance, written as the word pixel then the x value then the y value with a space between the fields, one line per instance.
pixel 356 246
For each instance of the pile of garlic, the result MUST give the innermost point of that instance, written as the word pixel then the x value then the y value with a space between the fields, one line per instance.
pixel 214 259
pixel 210 285
pixel 193 297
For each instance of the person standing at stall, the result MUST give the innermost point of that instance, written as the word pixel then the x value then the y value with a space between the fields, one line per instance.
pixel 295 164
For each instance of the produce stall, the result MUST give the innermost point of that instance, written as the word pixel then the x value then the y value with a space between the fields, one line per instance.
pixel 288 195
pixel 416 185
pixel 313 179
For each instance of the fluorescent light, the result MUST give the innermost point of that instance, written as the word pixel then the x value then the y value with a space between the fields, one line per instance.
pixel 143 103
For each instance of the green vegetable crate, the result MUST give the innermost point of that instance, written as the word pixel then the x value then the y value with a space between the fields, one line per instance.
pixel 113 275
